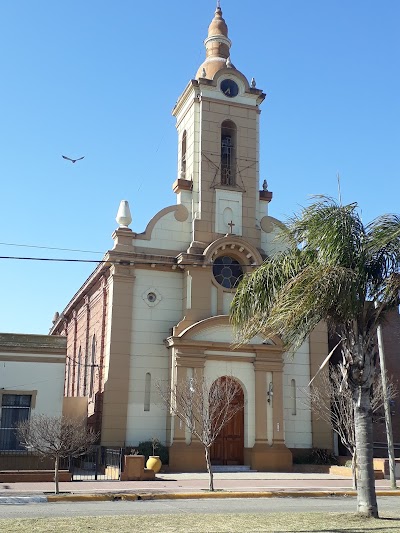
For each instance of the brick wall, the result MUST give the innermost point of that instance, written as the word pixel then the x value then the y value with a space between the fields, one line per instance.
pixel 84 325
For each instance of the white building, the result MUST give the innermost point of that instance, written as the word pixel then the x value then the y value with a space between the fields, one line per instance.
pixel 31 381
pixel 158 308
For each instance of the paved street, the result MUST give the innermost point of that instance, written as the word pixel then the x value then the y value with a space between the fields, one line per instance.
pixel 170 507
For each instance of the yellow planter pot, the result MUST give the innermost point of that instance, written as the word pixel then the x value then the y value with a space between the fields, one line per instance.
pixel 154 463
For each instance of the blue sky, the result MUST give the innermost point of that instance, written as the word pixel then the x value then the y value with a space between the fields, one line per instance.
pixel 99 79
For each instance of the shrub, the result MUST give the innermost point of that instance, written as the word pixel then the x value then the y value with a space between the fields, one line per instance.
pixel 316 456
pixel 146 448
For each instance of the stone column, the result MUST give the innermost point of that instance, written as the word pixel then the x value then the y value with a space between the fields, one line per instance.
pixel 179 427
pixel 182 456
pixel 260 369
pixel 263 456
pixel 277 380
pixel 258 455
pixel 116 387
pixel 321 431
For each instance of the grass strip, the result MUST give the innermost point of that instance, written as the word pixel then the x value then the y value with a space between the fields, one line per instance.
pixel 208 523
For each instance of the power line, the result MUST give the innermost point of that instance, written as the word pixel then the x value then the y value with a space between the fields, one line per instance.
pixel 54 259
pixel 75 362
pixel 49 248
pixel 122 262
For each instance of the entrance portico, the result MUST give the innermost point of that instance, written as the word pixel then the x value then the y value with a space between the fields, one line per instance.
pixel 206 350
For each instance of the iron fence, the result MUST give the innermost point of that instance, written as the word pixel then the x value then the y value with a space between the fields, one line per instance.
pixel 100 463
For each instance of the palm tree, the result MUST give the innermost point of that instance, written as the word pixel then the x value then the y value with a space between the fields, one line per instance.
pixel 338 270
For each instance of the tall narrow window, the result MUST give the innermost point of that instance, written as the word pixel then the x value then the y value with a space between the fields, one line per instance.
pixel 85 372
pixel 92 366
pixel 68 375
pixel 147 387
pixel 183 155
pixel 78 371
pixel 293 396
pixel 228 153
pixel 15 408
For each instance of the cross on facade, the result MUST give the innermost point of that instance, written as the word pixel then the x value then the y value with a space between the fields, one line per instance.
pixel 231 225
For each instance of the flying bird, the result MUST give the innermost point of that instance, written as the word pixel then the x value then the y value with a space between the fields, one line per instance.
pixel 72 160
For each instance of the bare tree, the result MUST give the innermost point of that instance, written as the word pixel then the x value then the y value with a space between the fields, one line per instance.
pixel 204 408
pixel 331 399
pixel 56 437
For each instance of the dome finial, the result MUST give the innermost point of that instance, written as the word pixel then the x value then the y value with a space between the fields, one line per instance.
pixel 217 45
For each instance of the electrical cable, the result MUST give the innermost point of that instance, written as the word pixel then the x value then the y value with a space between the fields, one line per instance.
pixel 122 262
pixel 49 248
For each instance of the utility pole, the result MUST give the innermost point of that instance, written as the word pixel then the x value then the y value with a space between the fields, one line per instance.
pixel 386 404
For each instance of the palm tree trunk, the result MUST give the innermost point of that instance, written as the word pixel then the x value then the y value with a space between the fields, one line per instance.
pixel 209 469
pixel 366 496
pixel 56 488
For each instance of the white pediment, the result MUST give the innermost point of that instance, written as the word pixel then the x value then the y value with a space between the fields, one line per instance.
pixel 224 333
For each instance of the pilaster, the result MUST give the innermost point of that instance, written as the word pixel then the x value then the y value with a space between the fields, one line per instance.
pixel 116 387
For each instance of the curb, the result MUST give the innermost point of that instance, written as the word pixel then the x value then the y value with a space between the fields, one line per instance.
pixel 149 496
pixel 106 497
pixel 207 495
pixel 22 500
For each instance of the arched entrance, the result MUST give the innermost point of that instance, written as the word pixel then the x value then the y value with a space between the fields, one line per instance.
pixel 228 448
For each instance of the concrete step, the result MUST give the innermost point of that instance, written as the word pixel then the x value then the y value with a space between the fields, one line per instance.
pixel 231 468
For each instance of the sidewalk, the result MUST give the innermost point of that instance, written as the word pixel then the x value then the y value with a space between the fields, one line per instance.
pixel 227 485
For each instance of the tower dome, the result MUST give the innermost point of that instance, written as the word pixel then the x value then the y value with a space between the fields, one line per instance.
pixel 218 25
pixel 217 47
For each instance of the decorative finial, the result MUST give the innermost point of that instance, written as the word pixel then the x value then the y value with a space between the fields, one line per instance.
pixel 265 185
pixel 218 4
pixel 204 73
pixel 253 83
pixel 229 62
pixel 124 214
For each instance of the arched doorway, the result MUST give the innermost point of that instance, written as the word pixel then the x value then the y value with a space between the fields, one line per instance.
pixel 228 448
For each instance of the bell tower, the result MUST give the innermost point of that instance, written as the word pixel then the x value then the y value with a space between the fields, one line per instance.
pixel 217 119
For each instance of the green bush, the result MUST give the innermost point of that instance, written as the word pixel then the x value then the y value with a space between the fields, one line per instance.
pixel 316 456
pixel 146 448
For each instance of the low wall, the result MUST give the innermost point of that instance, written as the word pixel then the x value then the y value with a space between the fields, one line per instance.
pixel 33 476
pixel 134 469
pixel 24 461
pixel 383 465
pixel 346 471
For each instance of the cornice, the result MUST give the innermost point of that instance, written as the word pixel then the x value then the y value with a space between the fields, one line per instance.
pixel 22 343
pixel 101 269
pixel 183 344
pixel 184 97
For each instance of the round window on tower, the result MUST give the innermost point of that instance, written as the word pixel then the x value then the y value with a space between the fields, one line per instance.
pixel 151 297
pixel 227 271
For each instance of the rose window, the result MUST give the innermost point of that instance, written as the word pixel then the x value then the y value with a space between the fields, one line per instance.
pixel 227 271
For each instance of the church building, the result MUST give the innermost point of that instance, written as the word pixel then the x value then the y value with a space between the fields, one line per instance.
pixel 157 308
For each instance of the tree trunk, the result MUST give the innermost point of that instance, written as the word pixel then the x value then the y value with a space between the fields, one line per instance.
pixel 209 469
pixel 56 488
pixel 366 496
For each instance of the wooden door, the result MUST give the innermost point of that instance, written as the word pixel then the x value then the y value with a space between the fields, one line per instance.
pixel 228 448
